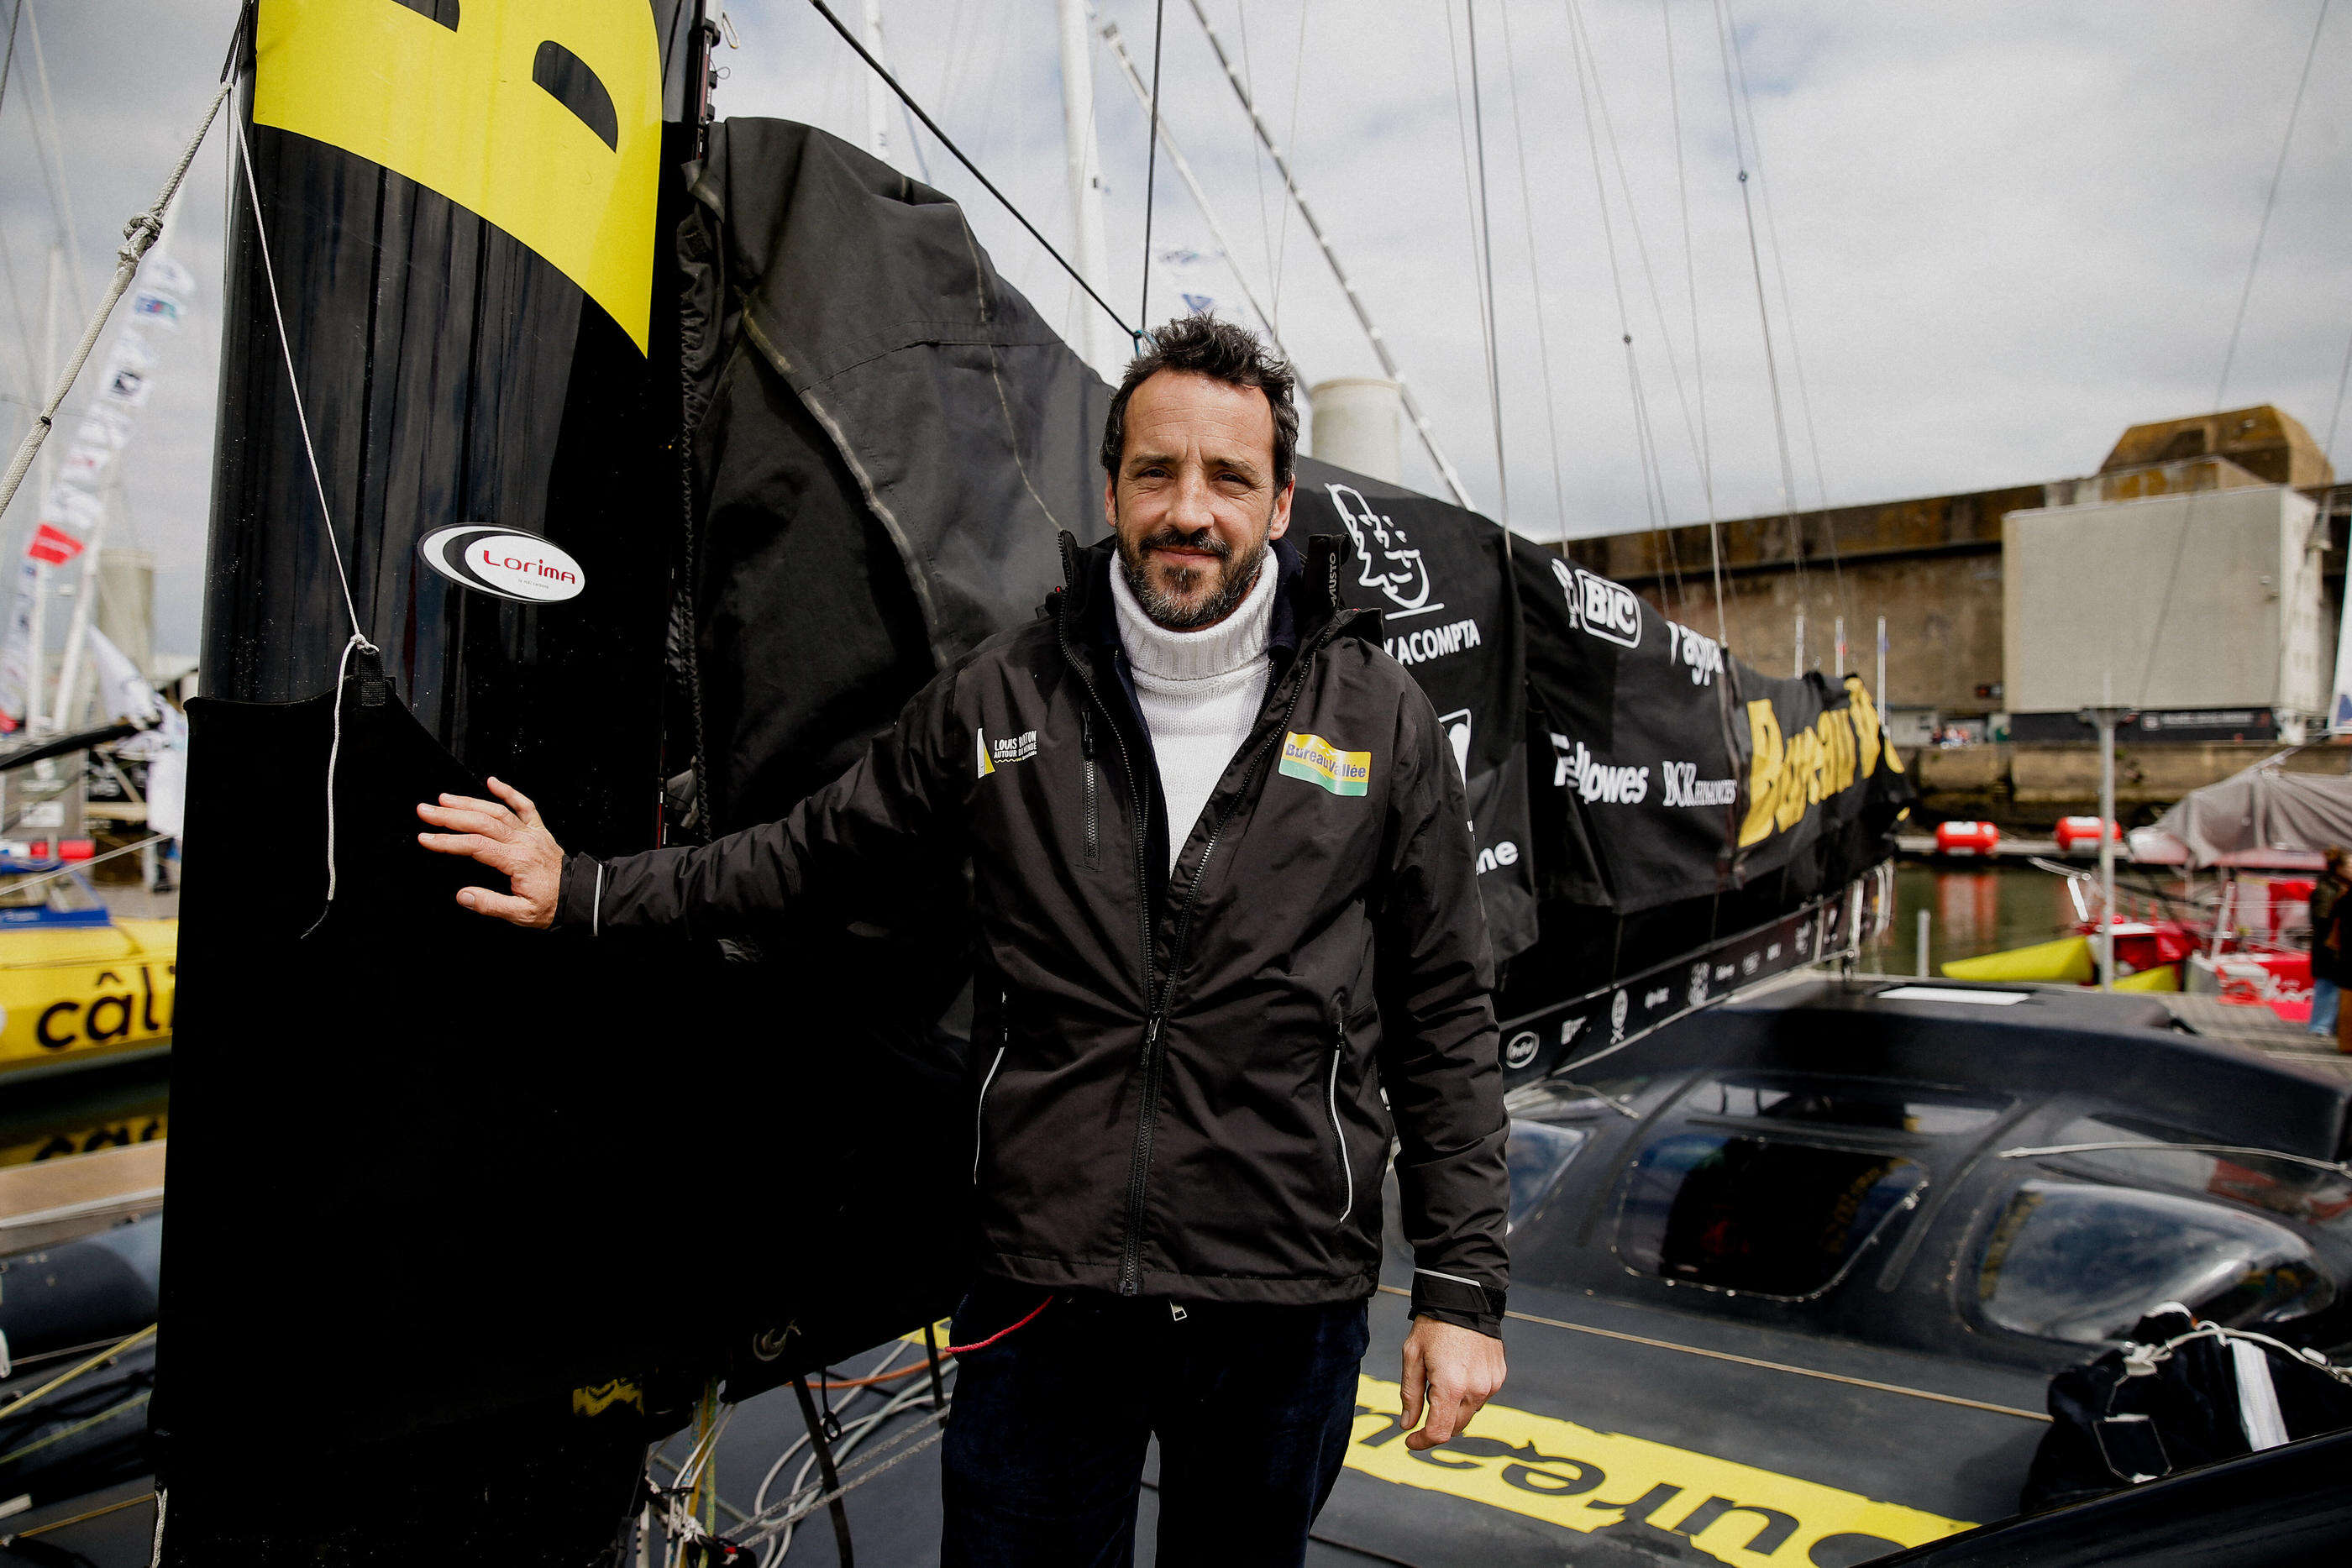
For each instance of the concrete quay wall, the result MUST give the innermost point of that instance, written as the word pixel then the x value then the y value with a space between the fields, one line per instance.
pixel 2027 785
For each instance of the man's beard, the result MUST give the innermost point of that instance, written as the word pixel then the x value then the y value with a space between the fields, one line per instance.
pixel 1235 579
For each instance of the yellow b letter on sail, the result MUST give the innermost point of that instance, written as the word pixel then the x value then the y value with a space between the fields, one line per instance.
pixel 460 111
pixel 1764 780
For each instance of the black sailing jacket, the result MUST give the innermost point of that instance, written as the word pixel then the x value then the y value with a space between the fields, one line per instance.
pixel 1188 1081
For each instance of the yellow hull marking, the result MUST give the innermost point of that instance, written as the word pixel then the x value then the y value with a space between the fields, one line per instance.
pixel 1584 1480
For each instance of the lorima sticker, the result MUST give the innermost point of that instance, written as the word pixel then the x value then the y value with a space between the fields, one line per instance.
pixel 503 563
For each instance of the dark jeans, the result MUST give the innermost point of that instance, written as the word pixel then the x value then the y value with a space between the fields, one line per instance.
pixel 1253 1406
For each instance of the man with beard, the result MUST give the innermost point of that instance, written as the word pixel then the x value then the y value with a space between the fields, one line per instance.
pixel 1231 951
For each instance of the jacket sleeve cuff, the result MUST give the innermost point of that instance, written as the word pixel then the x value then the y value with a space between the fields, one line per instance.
pixel 578 897
pixel 1464 1302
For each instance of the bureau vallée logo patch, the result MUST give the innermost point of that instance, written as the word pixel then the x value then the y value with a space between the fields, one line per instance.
pixel 505 564
pixel 1324 765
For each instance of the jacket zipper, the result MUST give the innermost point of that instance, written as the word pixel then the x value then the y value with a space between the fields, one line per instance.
pixel 980 1110
pixel 1131 1267
pixel 979 1106
pixel 1338 1134
pixel 1131 1270
pixel 1086 750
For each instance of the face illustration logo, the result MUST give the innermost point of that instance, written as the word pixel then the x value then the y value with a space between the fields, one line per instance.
pixel 1521 1050
pixel 1390 563
pixel 1607 609
pixel 542 117
pixel 503 563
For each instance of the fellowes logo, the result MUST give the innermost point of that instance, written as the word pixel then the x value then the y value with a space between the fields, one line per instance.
pixel 1593 779
pixel 993 754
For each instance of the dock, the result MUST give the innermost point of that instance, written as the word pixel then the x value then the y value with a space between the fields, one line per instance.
pixel 2257 1029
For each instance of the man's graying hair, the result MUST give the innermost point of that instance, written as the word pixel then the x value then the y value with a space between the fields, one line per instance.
pixel 1221 352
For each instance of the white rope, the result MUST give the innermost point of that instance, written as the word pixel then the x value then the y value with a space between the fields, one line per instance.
pixel 137 235
pixel 326 514
pixel 334 753
pixel 294 382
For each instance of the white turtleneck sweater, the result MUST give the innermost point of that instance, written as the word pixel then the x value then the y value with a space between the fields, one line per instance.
pixel 1199 692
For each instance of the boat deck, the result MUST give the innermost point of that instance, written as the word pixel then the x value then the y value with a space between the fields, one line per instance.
pixel 2256 1028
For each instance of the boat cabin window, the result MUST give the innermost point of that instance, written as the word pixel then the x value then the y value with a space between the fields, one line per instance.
pixel 2083 1264
pixel 1847 1102
pixel 1761 1214
pixel 1537 1153
pixel 2288 1187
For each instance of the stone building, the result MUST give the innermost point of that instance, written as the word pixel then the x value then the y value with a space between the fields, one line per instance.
pixel 1935 567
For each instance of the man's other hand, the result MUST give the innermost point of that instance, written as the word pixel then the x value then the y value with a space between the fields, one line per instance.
pixel 507 836
pixel 1458 1370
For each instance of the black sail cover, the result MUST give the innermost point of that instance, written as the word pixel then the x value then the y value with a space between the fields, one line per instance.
pixel 1635 794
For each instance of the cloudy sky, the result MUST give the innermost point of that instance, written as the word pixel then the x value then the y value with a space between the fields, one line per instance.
pixel 1991 235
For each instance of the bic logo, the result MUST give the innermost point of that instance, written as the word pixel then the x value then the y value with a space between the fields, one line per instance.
pixel 1607 609
pixel 543 117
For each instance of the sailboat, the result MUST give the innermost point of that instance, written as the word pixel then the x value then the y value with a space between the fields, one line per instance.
pixel 637 494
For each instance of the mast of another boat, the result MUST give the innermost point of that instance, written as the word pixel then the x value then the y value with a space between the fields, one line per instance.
pixel 2104 717
pixel 1082 153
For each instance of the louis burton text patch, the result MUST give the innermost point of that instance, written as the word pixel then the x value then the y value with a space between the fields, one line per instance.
pixel 1317 760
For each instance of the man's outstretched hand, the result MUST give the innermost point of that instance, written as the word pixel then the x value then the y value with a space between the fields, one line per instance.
pixel 1453 1370
pixel 507 836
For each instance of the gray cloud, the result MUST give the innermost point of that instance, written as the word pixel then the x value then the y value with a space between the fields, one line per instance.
pixel 2009 229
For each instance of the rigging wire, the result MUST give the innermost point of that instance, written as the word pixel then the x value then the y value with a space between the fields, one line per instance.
pixel 1763 313
pixel 8 66
pixel 930 125
pixel 60 193
pixel 1176 160
pixel 1486 258
pixel 1690 266
pixel 1290 140
pixel 1641 241
pixel 1151 158
pixel 1535 277
pixel 2270 202
pixel 1652 498
pixel 1363 315
pixel 2343 377
pixel 2229 356
pixel 1257 154
pixel 1780 275
pixel 1698 357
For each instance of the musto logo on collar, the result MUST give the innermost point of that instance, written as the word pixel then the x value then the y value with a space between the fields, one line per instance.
pixel 1317 760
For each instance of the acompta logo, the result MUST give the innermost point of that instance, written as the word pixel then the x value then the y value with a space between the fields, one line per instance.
pixel 1317 760
pixel 1607 609
pixel 993 754
pixel 503 563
